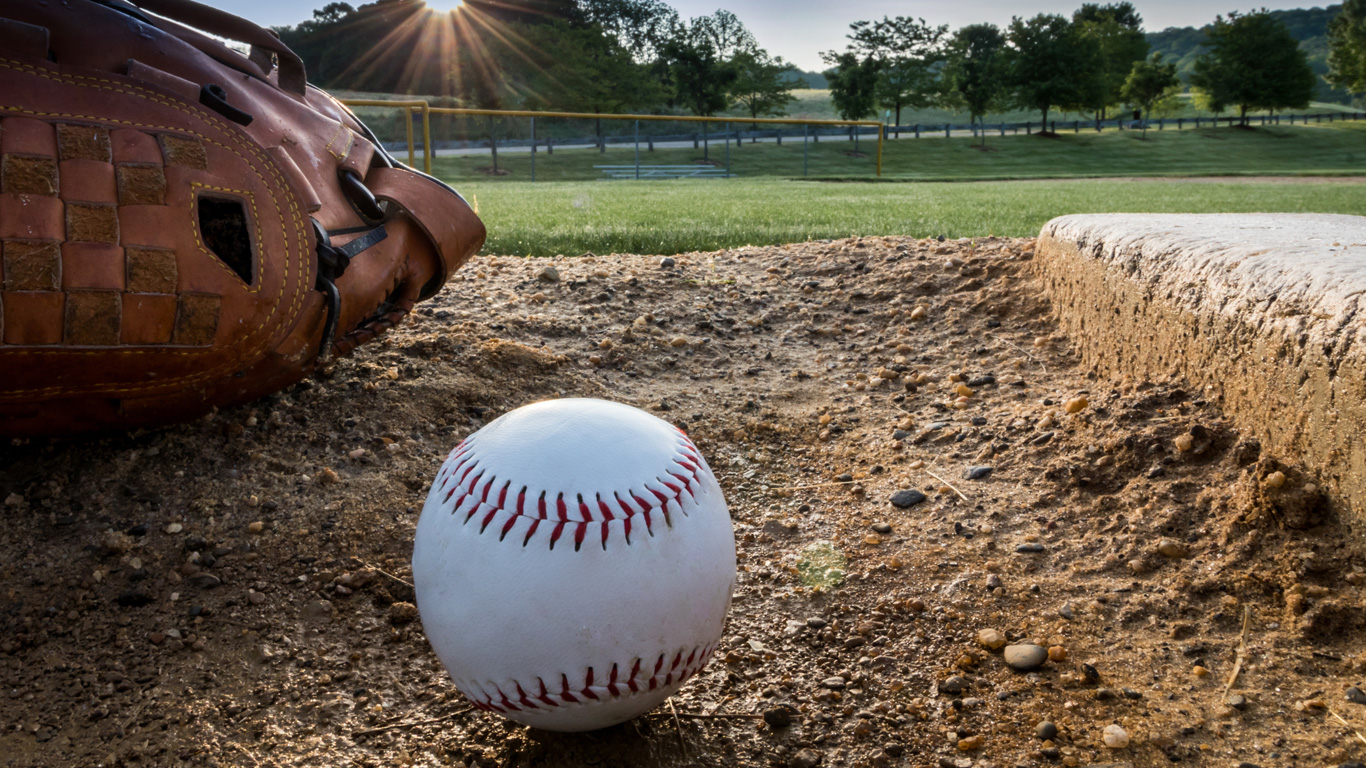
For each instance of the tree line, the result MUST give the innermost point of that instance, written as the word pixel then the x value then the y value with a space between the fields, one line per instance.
pixel 1093 63
pixel 622 56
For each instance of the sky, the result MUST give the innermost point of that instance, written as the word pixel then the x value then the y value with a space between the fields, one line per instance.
pixel 798 30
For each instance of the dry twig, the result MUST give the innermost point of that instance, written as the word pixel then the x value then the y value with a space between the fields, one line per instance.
pixel 1242 650
pixel 678 728
pixel 381 571
pixel 411 723
pixel 1350 727
pixel 814 485
pixel 946 482
pixel 711 715
pixel 1025 352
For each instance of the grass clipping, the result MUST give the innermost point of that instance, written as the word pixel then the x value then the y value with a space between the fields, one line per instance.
pixel 822 566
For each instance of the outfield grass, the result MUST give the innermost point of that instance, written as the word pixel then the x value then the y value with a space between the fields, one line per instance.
pixel 550 218
pixel 1317 149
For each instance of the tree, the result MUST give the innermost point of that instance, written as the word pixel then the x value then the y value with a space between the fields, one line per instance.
pixel 1253 63
pixel 1117 30
pixel 1050 62
pixel 640 26
pixel 975 71
pixel 1147 83
pixel 1347 47
pixel 724 32
pixel 762 85
pixel 853 83
pixel 581 69
pixel 701 79
pixel 907 52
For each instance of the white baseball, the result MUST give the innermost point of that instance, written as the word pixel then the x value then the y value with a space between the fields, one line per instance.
pixel 574 564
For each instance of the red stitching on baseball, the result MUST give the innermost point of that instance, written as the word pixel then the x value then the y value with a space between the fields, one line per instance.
pixel 488 696
pixel 469 491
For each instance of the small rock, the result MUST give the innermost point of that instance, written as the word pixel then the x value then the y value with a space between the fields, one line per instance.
pixel 1115 737
pixel 883 528
pixel 256 527
pixel 780 716
pixel 1237 701
pixel 549 275
pixel 134 598
pixel 977 473
pixel 205 580
pixel 953 685
pixel 1067 611
pixel 1029 548
pixel 1045 731
pixel 175 528
pixel 666 262
pixel 1025 657
pixel 402 613
pixel 1172 549
pixel 1076 405
pixel 970 743
pixel 994 582
pixel 991 638
pixel 1057 653
pixel 806 758
pixel 907 498
pixel 833 683
pixel 816 622
pixel 1356 695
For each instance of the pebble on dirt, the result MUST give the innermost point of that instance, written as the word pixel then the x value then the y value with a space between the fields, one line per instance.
pixel 908 497
pixel 1025 656
pixel 1115 737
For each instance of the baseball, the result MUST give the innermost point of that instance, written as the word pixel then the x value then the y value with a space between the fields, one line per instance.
pixel 574 564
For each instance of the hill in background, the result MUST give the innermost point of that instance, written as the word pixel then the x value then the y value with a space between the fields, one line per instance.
pixel 1307 25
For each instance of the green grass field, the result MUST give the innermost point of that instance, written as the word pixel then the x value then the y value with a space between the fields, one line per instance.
pixel 549 218
pixel 1318 149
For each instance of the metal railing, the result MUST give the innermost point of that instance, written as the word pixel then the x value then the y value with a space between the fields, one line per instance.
pixel 416 107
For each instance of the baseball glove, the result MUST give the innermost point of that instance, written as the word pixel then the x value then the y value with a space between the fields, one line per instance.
pixel 184 226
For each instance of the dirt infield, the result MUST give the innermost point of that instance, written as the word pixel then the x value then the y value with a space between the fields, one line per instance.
pixel 918 468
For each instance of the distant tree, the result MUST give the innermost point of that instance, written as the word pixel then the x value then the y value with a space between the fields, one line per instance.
pixel 908 52
pixel 853 84
pixel 525 11
pixel 1347 47
pixel 763 85
pixel 581 69
pixel 975 73
pixel 640 26
pixel 1117 30
pixel 724 32
pixel 333 13
pixel 701 79
pixel 1148 82
pixel 1051 63
pixel 1253 63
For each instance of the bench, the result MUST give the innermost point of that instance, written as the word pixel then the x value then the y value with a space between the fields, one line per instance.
pixel 663 171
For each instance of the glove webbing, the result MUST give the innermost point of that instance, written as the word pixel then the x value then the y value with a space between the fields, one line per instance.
pixel 332 263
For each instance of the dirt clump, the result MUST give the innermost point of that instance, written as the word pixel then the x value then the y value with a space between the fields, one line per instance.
pixel 920 477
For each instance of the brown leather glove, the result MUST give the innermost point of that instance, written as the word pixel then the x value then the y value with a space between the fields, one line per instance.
pixel 183 226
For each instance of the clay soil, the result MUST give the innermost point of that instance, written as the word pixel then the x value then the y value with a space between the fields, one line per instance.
pixel 235 591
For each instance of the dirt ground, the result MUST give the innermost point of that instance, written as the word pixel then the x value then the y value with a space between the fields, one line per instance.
pixel 235 591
